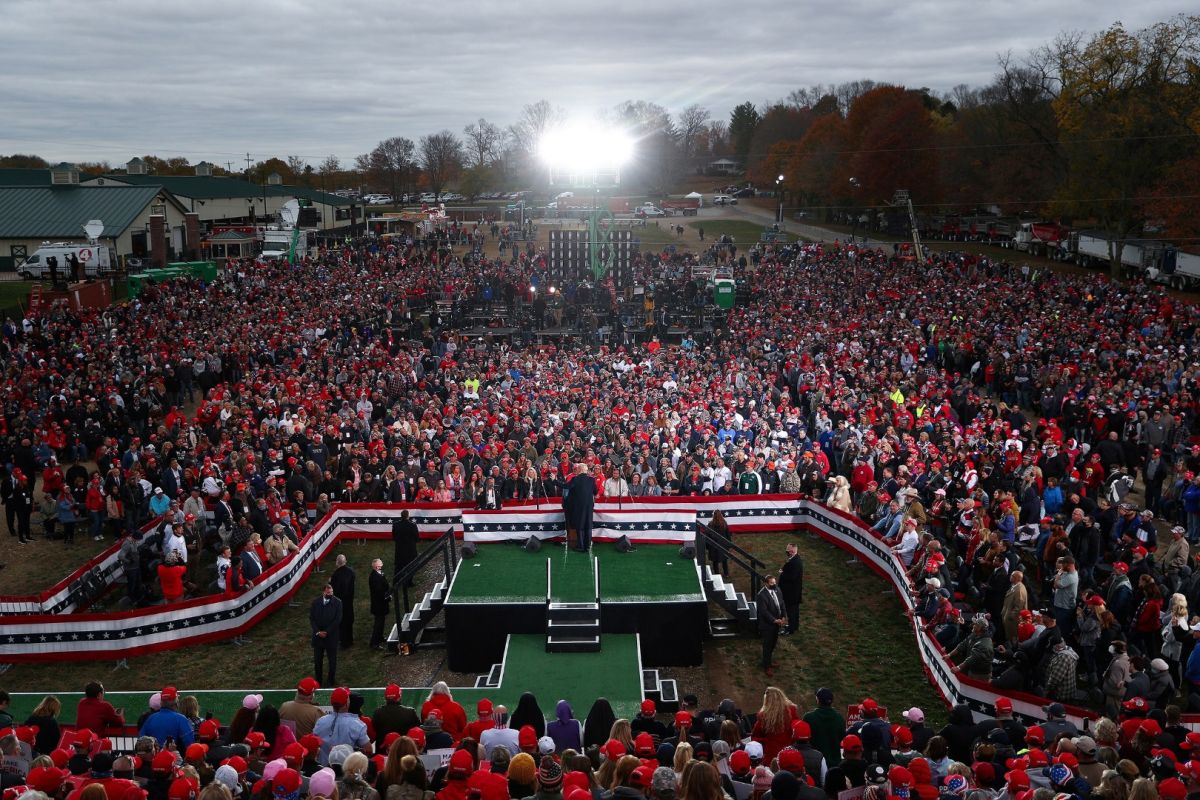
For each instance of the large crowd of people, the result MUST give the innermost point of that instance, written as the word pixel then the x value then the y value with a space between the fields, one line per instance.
pixel 440 751
pixel 994 424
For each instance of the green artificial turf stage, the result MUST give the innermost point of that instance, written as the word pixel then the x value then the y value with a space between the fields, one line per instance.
pixel 614 672
pixel 505 573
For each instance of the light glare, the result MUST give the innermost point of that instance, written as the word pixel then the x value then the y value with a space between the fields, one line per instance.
pixel 580 148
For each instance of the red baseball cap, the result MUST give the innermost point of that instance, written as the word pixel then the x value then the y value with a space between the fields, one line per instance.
pixel 164 761
pixel 209 729
pixel 312 743
pixel 256 739
pixel 683 719
pixel 648 707
pixel 418 736
pixel 196 751
pixel 801 729
pixel 483 707
pixel 238 763
pixel 339 696
pixel 613 749
pixel 1003 705
pixel 643 744
pixel 851 742
pixel 392 693
pixel 46 779
pixel 1016 780
pixel 169 694
pixel 791 760
pixel 183 789
pixel 294 754
pixel 307 686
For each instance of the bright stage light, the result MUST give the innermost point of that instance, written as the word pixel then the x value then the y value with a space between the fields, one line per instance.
pixel 579 148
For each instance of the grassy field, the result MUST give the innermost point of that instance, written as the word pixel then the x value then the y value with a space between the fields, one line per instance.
pixel 853 639
pixel 744 232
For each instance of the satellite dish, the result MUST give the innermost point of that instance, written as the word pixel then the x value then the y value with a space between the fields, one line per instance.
pixel 289 213
pixel 93 229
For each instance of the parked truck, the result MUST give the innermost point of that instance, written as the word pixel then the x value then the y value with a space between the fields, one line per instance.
pixel 94 259
pixel 1041 239
pixel 1157 260
pixel 681 206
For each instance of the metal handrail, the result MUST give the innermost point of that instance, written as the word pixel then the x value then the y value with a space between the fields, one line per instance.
pixel 596 578
pixel 549 592
pixel 739 557
pixel 726 544
pixel 444 545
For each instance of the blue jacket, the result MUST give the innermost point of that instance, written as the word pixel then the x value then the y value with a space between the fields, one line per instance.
pixel 1052 498
pixel 166 722
pixel 1191 499
pixel 1191 672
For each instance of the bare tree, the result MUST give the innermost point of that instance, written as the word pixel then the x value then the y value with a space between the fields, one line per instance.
pixel 483 142
pixel 442 158
pixel 296 164
pixel 391 163
pixel 692 120
pixel 331 165
pixel 535 119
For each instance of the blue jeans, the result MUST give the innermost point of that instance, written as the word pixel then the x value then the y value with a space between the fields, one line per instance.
pixel 1193 526
pixel 95 523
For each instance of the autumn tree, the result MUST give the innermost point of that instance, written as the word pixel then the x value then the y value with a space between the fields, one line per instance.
pixel 1127 108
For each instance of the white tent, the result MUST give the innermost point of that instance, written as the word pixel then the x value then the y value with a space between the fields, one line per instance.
pixel 694 196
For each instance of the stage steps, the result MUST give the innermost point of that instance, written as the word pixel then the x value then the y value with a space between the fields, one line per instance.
pixel 412 627
pixel 572 627
pixel 663 691
pixel 741 610
pixel 492 679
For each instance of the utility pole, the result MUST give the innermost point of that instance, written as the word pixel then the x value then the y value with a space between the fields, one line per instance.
pixel 248 160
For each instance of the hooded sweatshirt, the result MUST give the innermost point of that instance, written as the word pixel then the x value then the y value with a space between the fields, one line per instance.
pixel 565 729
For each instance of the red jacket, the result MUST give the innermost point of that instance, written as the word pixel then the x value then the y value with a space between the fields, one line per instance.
pixel 454 719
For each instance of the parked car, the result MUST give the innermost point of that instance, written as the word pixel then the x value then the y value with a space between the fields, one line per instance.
pixel 724 200
pixel 747 192
pixel 650 210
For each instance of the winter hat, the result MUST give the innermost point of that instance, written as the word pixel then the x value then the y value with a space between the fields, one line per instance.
pixel 322 782
pixel 522 769
pixel 956 785
pixel 227 776
pixel 665 754
pixel 762 778
pixel 550 774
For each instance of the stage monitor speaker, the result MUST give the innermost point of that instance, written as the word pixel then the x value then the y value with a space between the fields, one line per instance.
pixel 688 551
pixel 468 550
pixel 532 545
pixel 624 545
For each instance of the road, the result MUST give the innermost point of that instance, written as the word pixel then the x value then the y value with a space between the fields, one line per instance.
pixel 767 217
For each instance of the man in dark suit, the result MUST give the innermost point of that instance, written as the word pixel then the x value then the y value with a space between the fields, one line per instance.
pixel 342 581
pixel 791 584
pixel 325 617
pixel 380 593
pixel 578 504
pixel 251 565
pixel 771 619
pixel 404 542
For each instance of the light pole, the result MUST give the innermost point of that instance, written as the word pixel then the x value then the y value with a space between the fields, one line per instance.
pixel 854 185
pixel 779 190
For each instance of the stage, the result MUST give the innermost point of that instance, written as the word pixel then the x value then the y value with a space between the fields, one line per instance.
pixel 506 590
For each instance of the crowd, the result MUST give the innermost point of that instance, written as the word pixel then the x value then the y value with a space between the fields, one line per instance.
pixel 993 424
pixel 437 752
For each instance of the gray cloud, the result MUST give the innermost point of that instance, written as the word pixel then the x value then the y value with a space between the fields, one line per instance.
pixel 213 79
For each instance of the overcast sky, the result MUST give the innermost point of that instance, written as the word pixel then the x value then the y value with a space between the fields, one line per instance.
pixel 215 79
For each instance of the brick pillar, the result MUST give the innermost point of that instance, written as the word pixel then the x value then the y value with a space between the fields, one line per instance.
pixel 158 240
pixel 191 232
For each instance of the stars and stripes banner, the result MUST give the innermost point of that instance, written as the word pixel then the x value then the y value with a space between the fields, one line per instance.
pixel 506 525
pixel 30 632
pixel 649 526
